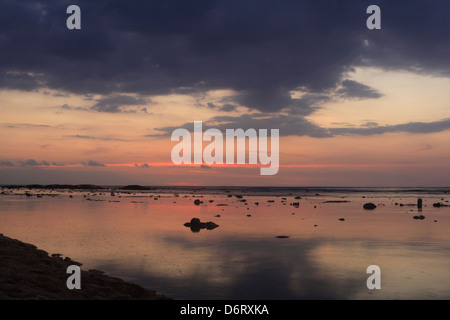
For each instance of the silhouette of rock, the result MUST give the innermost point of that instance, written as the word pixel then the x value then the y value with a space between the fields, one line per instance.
pixel 197 202
pixel 419 217
pixel 196 225
pixel 439 204
pixel 369 206
pixel 419 203
pixel 282 237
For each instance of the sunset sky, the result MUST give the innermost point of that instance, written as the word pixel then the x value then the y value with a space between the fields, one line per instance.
pixel 355 107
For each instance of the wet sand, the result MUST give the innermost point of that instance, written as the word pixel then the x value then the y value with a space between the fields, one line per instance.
pixel 27 272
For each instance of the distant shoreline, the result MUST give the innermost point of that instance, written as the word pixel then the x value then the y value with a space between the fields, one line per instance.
pixel 28 273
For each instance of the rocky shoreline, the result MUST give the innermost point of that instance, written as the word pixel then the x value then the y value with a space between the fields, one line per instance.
pixel 28 273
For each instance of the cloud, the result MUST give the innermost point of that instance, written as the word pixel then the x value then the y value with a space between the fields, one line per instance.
pixel 288 125
pixel 145 165
pixel 410 127
pixel 93 164
pixel 119 103
pixel 33 163
pixel 370 124
pixel 225 107
pixel 262 50
pixel 6 163
pixel 299 126
pixel 58 164
pixel 354 89
pixel 67 107
pixel 24 125
pixel 78 136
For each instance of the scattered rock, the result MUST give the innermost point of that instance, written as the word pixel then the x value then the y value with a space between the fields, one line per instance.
pixel 197 202
pixel 369 206
pixel 421 217
pixel 419 203
pixel 341 219
pixel 282 237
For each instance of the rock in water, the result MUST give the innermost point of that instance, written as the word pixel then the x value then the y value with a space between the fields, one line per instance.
pixel 196 225
pixel 369 206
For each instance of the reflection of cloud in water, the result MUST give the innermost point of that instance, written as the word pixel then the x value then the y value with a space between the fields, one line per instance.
pixel 250 269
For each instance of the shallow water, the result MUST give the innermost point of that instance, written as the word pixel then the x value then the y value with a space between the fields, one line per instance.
pixel 141 237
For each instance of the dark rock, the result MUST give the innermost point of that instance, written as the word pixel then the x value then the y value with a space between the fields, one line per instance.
pixel 419 203
pixel 282 237
pixel 369 206
pixel 439 204
pixel 341 219
pixel 419 217
pixel 196 225
pixel 197 202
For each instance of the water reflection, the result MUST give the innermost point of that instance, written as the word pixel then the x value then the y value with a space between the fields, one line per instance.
pixel 149 242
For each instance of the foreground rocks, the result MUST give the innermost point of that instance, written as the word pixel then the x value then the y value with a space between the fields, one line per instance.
pixel 31 274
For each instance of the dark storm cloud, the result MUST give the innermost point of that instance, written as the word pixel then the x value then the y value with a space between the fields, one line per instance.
pixel 288 125
pixel 261 49
pixel 225 107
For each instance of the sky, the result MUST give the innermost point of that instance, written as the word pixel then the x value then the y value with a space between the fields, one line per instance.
pixel 98 105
